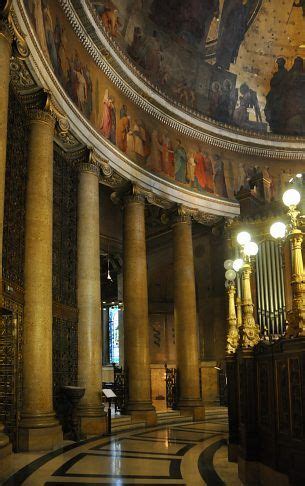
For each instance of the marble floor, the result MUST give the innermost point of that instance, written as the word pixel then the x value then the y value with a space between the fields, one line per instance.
pixel 186 454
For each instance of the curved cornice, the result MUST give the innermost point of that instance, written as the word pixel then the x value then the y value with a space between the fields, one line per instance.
pixel 133 84
pixel 89 137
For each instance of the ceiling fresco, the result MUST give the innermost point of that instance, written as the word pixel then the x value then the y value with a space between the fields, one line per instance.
pixel 239 62
pixel 143 139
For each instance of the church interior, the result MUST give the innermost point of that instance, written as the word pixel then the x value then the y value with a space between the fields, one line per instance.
pixel 152 218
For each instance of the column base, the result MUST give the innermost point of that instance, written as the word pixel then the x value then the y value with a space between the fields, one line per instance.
pixel 93 420
pixel 39 439
pixel 195 409
pixel 93 425
pixel 142 411
pixel 5 457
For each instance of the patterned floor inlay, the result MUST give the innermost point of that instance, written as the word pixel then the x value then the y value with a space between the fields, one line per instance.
pixel 187 454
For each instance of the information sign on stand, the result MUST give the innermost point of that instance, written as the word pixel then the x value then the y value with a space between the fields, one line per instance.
pixel 109 394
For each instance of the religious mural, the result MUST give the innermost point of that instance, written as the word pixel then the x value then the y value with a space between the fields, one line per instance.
pixel 153 146
pixel 209 55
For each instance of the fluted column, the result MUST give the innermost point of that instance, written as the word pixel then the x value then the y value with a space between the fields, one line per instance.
pixel 39 429
pixel 5 54
pixel 136 330
pixel 186 319
pixel 91 411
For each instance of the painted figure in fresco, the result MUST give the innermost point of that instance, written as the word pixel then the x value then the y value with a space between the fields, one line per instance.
pixel 275 97
pixel 123 127
pixel 300 4
pixel 168 166
pixel 247 100
pixel 285 102
pixel 113 121
pixel 232 29
pixel 226 104
pixel 154 161
pixel 190 20
pixel 137 49
pixel 153 55
pixel 106 118
pixel 208 173
pixel 219 177
pixel 190 170
pixel 49 31
pixel 110 20
pixel 180 159
pixel 200 171
pixel 140 139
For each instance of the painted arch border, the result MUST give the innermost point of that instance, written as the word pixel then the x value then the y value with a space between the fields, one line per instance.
pixel 87 135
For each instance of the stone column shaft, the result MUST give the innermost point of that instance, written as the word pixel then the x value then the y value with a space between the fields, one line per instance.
pixel 186 320
pixel 39 429
pixel 5 54
pixel 91 411
pixel 136 330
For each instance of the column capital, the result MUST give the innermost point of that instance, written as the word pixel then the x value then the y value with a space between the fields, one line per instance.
pixel 11 31
pixel 41 106
pixel 182 214
pixel 87 162
pixel 43 116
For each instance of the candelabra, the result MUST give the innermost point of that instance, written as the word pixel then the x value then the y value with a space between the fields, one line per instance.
pixel 292 232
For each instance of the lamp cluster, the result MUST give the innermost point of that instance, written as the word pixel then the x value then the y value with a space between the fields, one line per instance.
pixel 291 199
pixel 248 249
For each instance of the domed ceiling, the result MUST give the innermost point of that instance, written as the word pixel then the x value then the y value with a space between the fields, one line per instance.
pixel 239 62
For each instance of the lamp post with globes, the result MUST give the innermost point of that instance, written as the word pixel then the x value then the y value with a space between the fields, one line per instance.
pixel 278 230
pixel 249 330
pixel 232 335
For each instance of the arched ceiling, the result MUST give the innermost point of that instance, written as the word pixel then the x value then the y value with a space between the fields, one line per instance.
pixel 218 56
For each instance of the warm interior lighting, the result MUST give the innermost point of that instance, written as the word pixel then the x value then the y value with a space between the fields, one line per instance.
pixel 291 197
pixel 278 230
pixel 228 264
pixel 237 264
pixel 243 238
pixel 251 248
pixel 230 275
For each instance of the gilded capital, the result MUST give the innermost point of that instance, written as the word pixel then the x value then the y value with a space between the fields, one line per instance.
pixel 88 167
pixel 182 215
pixel 37 115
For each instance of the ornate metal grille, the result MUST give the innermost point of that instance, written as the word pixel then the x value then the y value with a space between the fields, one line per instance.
pixel 171 387
pixel 11 370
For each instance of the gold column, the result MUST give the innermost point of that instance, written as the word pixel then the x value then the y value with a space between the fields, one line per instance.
pixel 91 410
pixel 136 330
pixel 249 329
pixel 186 319
pixel 232 337
pixel 6 39
pixel 39 429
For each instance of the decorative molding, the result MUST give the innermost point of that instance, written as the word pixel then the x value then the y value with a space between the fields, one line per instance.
pixel 184 214
pixel 203 129
pixel 21 78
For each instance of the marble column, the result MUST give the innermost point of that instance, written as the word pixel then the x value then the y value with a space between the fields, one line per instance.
pixel 136 330
pixel 39 428
pixel 91 411
pixel 187 345
pixel 5 54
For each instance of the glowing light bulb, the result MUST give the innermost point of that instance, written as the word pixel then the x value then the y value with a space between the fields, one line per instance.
pixel 243 238
pixel 291 197
pixel 278 230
